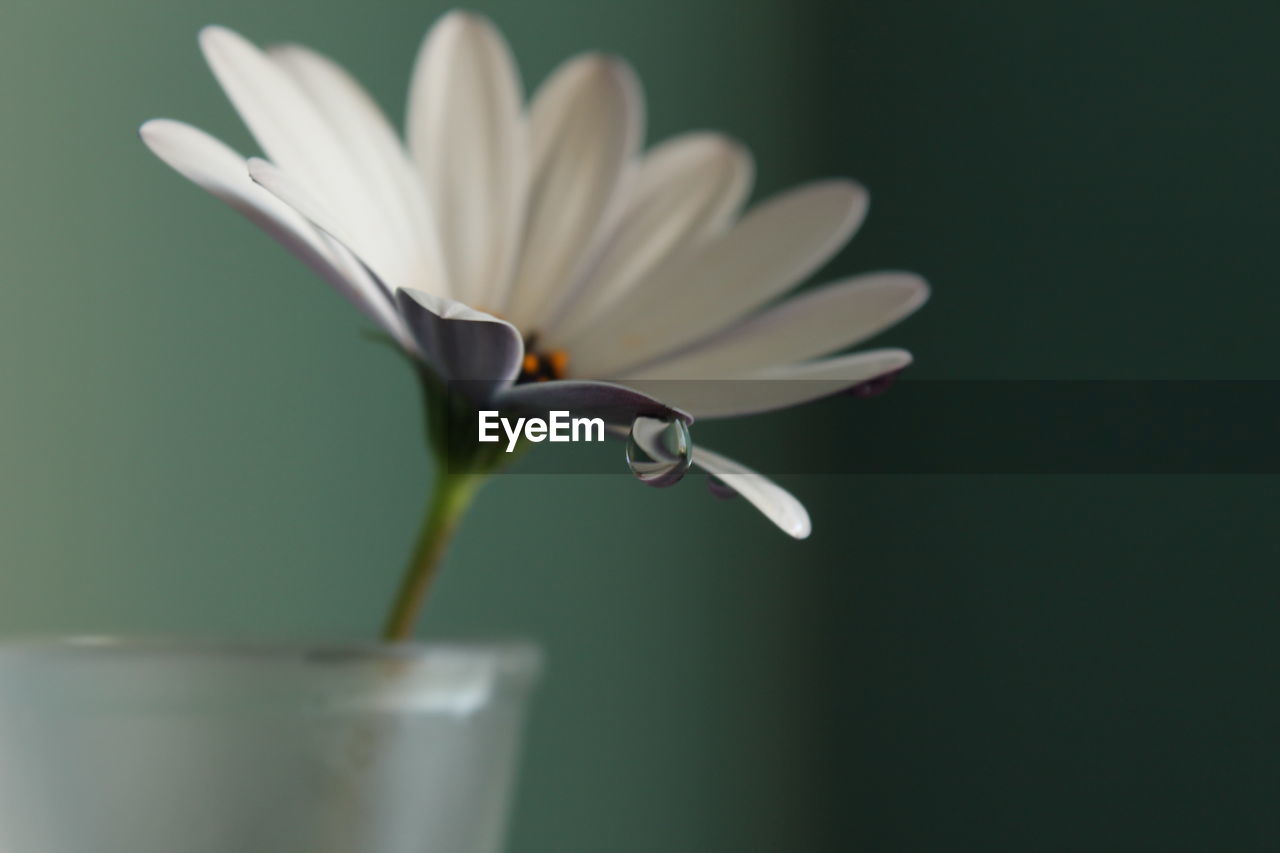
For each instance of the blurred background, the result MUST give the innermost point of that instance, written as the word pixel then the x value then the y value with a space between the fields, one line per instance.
pixel 196 439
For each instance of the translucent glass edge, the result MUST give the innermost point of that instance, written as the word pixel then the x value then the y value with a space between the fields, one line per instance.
pixel 522 660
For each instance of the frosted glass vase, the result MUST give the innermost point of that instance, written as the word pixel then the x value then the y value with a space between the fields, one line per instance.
pixel 111 746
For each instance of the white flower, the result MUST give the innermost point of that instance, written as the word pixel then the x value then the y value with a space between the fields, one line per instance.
pixel 538 250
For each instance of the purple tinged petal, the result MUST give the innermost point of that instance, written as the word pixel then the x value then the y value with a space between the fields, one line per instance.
pixel 720 489
pixel 615 404
pixel 875 387
pixel 775 502
pixel 477 351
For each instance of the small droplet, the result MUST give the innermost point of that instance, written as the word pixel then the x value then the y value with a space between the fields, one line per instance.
pixel 659 452
pixel 874 387
pixel 720 489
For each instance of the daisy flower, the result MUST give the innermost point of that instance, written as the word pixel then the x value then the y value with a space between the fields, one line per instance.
pixel 537 253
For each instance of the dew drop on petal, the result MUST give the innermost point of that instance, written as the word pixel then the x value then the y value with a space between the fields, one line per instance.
pixel 659 452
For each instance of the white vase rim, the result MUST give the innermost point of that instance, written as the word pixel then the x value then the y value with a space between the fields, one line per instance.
pixel 519 658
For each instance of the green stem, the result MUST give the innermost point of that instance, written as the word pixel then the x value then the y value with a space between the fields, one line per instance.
pixel 449 500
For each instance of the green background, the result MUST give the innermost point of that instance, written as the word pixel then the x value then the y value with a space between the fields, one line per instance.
pixel 194 438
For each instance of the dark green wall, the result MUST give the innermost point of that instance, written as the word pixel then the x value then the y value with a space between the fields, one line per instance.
pixel 1061 663
pixel 195 438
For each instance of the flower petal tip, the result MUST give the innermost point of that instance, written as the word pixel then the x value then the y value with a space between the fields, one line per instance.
pixel 597 68
pixel 726 147
pixel 174 142
pixel 915 289
pixel 859 197
pixel 151 130
pixel 795 521
pixel 923 292
pixel 462 20
pixel 851 199
pixel 461 27
pixel 213 36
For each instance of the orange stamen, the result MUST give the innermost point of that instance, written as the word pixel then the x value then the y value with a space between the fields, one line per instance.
pixel 558 360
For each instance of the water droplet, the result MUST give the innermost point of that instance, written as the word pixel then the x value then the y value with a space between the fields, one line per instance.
pixel 874 387
pixel 659 452
pixel 720 489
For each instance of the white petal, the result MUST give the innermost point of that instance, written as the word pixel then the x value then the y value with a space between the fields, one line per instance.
pixel 212 165
pixel 477 353
pixel 777 504
pixel 616 404
pixel 813 324
pixel 774 388
pixel 467 135
pixel 686 189
pixel 585 124
pixel 297 137
pixel 374 151
pixel 776 245
pixel 313 208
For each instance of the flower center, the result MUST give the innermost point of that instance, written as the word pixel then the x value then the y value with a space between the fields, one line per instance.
pixel 542 366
